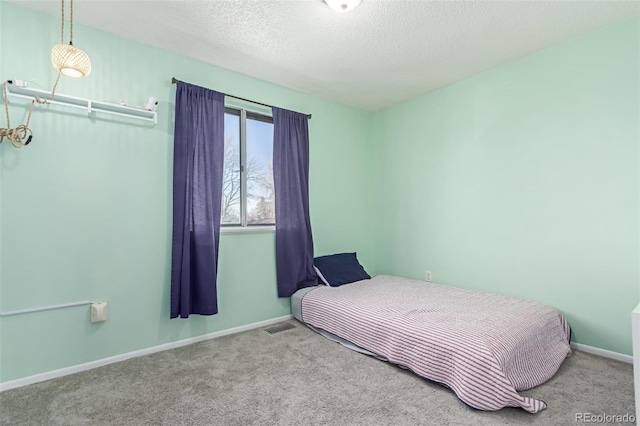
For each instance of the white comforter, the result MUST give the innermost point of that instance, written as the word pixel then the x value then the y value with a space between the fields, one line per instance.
pixel 485 347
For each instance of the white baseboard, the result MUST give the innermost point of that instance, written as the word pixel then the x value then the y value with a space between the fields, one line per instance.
pixel 12 384
pixel 603 352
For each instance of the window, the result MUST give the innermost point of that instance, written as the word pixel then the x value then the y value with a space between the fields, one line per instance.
pixel 247 187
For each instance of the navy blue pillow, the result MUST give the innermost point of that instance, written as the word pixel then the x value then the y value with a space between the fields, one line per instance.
pixel 338 269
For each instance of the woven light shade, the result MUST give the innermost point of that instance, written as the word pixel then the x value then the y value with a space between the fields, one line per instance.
pixel 70 61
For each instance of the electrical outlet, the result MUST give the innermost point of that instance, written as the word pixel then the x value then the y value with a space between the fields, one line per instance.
pixel 99 312
pixel 428 276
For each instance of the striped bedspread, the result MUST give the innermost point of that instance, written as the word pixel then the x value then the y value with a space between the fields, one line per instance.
pixel 483 346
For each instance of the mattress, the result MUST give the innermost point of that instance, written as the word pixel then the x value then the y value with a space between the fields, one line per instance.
pixel 485 347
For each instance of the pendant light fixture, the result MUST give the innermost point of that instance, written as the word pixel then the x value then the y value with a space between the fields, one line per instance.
pixel 66 58
pixel 342 5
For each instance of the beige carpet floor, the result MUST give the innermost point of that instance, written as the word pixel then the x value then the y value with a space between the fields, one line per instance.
pixel 295 377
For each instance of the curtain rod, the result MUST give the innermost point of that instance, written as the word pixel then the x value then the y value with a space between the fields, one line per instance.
pixel 175 80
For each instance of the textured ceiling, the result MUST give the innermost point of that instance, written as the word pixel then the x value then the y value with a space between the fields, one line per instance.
pixel 381 53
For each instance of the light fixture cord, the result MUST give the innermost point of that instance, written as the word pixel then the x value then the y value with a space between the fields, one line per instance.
pixel 21 135
pixel 62 20
pixel 53 91
pixel 71 23
pixel 18 135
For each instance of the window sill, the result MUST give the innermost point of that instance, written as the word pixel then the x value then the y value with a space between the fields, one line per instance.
pixel 247 229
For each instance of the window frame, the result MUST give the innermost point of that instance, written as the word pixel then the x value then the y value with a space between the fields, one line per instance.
pixel 243 227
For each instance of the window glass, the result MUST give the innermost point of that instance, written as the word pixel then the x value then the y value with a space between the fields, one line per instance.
pixel 248 197
pixel 260 192
pixel 231 175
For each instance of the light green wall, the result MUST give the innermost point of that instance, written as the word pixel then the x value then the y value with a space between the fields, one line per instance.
pixel 524 180
pixel 86 208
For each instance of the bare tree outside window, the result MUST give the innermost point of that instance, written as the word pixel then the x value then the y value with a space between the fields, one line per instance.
pixel 259 199
pixel 260 191
pixel 264 211
pixel 230 211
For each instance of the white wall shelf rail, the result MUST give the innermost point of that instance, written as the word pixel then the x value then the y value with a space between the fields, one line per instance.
pixel 91 106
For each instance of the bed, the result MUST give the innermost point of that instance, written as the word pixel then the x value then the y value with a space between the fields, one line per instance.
pixel 485 347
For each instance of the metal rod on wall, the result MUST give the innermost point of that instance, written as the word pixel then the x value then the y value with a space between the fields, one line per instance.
pixel 44 308
pixel 175 80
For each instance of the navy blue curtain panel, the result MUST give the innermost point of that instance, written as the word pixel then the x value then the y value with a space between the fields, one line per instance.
pixel 198 155
pixel 294 243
